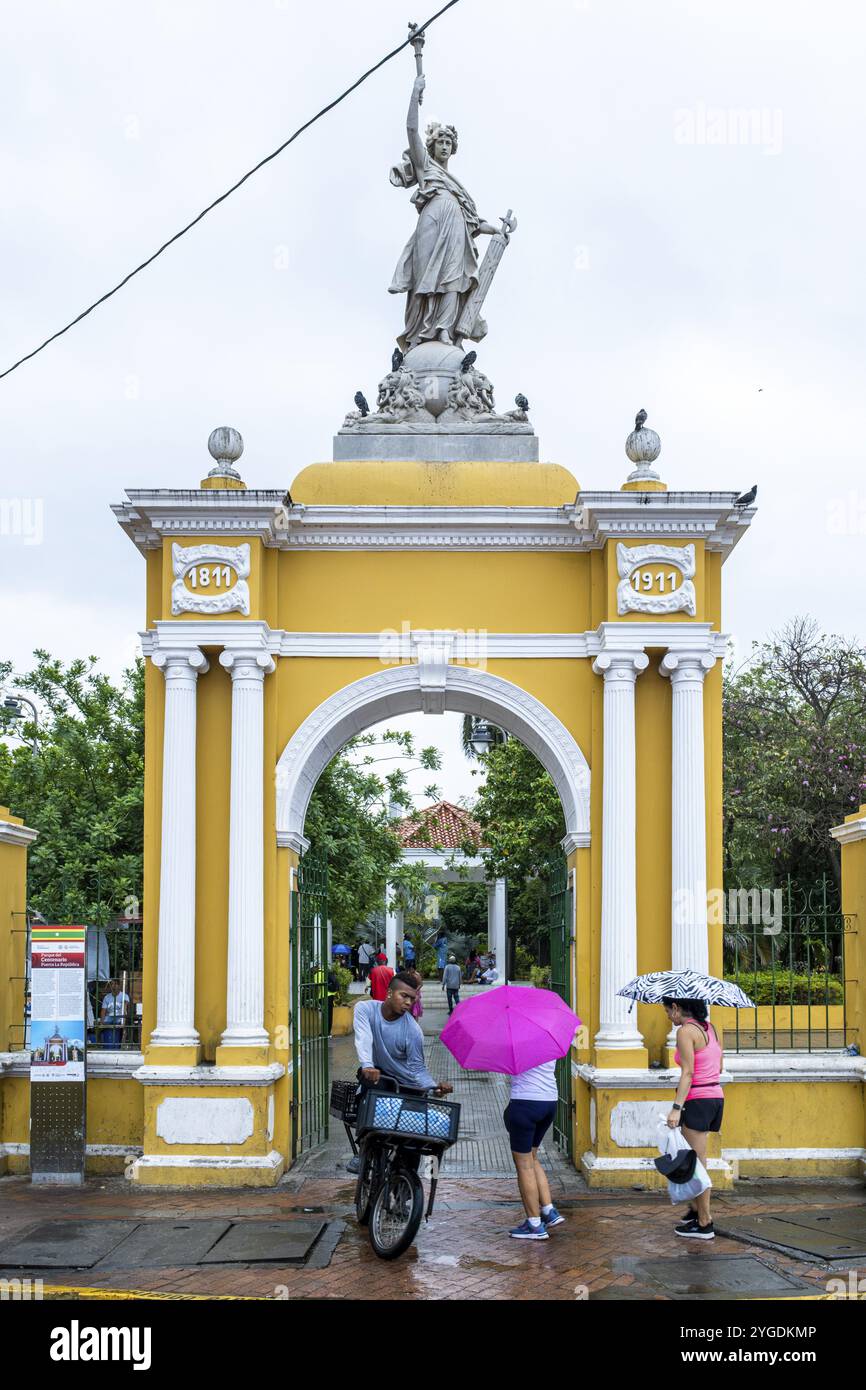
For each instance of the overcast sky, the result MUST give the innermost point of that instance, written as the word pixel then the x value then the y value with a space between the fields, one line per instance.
pixel 688 179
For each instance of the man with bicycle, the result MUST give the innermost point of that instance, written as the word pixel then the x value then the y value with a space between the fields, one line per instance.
pixel 389 1041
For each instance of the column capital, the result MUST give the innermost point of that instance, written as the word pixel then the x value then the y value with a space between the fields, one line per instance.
pixel 242 662
pixel 620 666
pixel 187 662
pixel 687 666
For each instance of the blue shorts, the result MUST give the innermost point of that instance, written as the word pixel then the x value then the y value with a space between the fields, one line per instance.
pixel 527 1122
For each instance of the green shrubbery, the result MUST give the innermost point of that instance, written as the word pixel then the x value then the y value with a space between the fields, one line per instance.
pixel 790 987
pixel 540 976
pixel 344 979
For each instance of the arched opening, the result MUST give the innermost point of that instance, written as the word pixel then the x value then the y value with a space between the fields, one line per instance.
pixel 405 689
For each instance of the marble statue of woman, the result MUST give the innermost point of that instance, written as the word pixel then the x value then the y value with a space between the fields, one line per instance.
pixel 438 269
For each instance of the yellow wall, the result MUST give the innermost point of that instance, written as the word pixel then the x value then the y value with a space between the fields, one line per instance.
pixel 13 937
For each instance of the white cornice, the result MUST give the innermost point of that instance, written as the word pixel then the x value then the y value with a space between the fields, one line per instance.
pixel 849 831
pixel 150 516
pixel 393 648
pixel 210 1076
pixel 447 865
pixel 708 516
pixel 16 834
pixel 236 635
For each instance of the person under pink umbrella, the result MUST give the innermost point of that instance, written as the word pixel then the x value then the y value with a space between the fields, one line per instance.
pixel 519 1032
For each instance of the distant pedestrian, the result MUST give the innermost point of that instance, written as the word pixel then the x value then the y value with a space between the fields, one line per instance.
pixel 700 1101
pixel 451 983
pixel 441 946
pixel 473 966
pixel 353 961
pixel 417 1007
pixel 380 977
pixel 528 1116
pixel 408 953
pixel 113 1011
pixel 365 958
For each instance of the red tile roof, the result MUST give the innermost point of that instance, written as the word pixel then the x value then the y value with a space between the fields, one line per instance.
pixel 441 826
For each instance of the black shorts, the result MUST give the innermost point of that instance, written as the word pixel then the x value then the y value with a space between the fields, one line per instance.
pixel 704 1116
pixel 527 1122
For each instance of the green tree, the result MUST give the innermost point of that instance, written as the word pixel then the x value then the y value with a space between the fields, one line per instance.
pixel 794 754
pixel 79 781
pixel 520 813
pixel 463 909
pixel 349 820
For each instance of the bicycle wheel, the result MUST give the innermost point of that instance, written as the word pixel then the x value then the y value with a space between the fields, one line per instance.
pixel 396 1213
pixel 365 1188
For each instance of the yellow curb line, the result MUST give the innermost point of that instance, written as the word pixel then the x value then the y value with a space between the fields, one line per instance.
pixel 65 1290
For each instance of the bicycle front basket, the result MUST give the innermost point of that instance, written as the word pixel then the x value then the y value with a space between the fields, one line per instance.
pixel 409 1117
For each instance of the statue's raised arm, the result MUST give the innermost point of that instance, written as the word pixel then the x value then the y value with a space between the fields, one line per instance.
pixel 417 149
pixel 438 270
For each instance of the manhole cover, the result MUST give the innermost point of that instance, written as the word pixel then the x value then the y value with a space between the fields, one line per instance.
pixel 257 1242
pixel 836 1235
pixel 712 1276
pixel 165 1244
pixel 65 1244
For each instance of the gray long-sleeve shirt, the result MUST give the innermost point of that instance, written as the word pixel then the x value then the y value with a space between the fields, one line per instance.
pixel 451 977
pixel 395 1047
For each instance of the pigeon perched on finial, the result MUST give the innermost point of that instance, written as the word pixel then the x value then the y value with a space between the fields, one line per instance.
pixel 468 361
pixel 396 360
pixel 747 498
pixel 640 420
pixel 521 402
pixel 361 403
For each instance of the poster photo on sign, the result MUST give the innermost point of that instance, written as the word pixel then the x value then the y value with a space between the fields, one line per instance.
pixel 57 1029
pixel 57 1050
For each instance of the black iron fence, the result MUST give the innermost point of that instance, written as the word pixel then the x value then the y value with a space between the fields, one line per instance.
pixel 786 948
pixel 114 987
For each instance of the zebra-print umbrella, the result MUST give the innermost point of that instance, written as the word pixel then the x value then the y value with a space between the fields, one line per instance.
pixel 685 984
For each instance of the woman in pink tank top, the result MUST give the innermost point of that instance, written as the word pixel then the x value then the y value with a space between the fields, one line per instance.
pixel 699 1103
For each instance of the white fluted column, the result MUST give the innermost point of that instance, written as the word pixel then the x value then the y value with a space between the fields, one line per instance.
pixel 618 1028
pixel 245 987
pixel 689 939
pixel 175 982
pixel 390 930
pixel 499 927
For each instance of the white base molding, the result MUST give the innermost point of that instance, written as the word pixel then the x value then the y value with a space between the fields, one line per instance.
pixel 210 1170
pixel 210 1076
pixel 790 1156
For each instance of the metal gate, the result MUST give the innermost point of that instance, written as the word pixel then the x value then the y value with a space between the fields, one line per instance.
pixel 561 941
pixel 309 994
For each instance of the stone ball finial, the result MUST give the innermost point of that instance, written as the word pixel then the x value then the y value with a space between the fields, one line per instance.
pixel 225 444
pixel 643 445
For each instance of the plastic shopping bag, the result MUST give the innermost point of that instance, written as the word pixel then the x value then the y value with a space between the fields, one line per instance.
pixel 688 1191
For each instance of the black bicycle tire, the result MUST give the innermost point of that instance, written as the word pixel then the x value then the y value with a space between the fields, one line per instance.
pixel 362 1209
pixel 394 1251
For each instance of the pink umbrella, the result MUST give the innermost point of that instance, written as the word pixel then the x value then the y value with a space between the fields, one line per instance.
pixel 510 1029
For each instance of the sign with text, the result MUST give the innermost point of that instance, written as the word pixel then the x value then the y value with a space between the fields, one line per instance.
pixel 58 956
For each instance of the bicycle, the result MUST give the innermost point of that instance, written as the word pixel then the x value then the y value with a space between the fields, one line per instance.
pixel 397 1128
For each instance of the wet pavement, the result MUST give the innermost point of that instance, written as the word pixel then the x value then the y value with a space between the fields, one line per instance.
pixel 614 1245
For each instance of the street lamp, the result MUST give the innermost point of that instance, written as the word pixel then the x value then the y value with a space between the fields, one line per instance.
pixel 482 737
pixel 12 706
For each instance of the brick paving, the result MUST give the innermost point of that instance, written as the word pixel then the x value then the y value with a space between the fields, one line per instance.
pixel 463 1253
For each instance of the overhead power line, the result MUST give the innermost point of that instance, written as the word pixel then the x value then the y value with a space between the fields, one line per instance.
pixel 229 191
